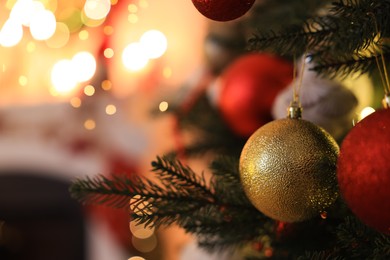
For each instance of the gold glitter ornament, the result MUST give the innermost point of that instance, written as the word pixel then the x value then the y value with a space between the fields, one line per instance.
pixel 288 169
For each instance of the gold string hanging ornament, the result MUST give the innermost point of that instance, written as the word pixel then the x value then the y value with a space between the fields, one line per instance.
pixel 288 166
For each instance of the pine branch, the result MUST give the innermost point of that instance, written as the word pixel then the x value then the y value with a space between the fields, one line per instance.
pixel 344 66
pixel 350 27
pixel 179 196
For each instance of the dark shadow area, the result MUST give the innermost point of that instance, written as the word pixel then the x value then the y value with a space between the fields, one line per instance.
pixel 38 219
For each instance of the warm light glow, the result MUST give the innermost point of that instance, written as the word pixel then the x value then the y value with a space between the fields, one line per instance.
pixel 155 43
pixel 163 106
pixel 132 18
pixel 108 30
pixel 144 245
pixel 134 57
pixel 106 85
pixel 110 109
pixel 11 33
pixel 83 35
pixel 140 231
pixel 84 65
pixel 75 102
pixel 136 258
pixel 108 53
pixel 132 8
pixel 366 111
pixel 143 3
pixel 97 9
pixel 25 10
pixel 31 47
pixel 60 37
pixel 23 80
pixel 167 72
pixel 89 124
pixel 43 25
pixel 89 90
pixel 62 77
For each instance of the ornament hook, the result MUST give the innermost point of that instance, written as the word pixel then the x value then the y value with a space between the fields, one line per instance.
pixel 294 110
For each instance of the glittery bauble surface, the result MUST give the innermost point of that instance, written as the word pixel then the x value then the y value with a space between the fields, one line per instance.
pixel 288 169
pixel 363 170
pixel 223 10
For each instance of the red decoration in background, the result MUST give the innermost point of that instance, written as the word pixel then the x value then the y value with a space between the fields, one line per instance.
pixel 364 170
pixel 249 87
pixel 118 219
pixel 223 10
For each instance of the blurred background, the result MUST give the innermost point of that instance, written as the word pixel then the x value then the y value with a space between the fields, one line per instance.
pixel 78 82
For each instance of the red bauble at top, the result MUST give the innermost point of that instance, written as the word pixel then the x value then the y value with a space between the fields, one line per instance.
pixel 248 88
pixel 223 10
pixel 364 170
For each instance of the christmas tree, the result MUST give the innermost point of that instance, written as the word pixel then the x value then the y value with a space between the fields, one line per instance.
pixel 285 191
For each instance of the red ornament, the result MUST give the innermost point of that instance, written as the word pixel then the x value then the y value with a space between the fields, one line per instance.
pixel 223 10
pixel 249 87
pixel 364 170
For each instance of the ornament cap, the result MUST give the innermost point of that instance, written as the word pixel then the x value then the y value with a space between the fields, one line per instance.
pixel 294 111
pixel 386 101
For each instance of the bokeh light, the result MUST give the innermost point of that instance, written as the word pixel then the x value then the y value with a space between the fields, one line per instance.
pixel 75 102
pixel 84 64
pixel 140 231
pixel 97 9
pixel 106 85
pixel 60 37
pixel 89 90
pixel 110 109
pixel 11 33
pixel 43 25
pixel 145 245
pixel 154 43
pixel 134 57
pixel 136 258
pixel 62 77
pixel 25 10
pixel 163 106
pixel 89 124
pixel 108 53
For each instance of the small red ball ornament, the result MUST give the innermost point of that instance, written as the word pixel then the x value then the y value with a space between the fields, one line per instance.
pixel 248 88
pixel 364 170
pixel 223 10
